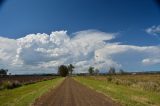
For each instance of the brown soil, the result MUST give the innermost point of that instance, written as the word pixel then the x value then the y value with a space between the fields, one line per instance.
pixel 72 93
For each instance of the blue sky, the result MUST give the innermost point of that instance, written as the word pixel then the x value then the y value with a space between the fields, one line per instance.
pixel 130 18
pixel 131 22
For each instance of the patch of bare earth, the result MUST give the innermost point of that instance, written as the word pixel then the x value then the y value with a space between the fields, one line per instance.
pixel 72 93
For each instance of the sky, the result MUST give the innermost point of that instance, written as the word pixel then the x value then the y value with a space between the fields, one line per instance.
pixel 36 36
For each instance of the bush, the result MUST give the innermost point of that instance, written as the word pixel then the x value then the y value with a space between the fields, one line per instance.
pixel 109 79
pixel 5 84
pixel 14 84
pixel 122 82
pixel 10 85
pixel 150 86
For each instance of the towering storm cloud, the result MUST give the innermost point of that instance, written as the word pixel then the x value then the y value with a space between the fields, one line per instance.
pixel 44 53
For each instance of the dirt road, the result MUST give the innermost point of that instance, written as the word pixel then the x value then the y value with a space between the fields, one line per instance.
pixel 72 93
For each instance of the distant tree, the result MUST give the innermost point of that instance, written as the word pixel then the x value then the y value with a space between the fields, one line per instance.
pixel 121 71
pixel 112 70
pixel 91 70
pixel 70 69
pixel 63 70
pixel 3 72
pixel 96 71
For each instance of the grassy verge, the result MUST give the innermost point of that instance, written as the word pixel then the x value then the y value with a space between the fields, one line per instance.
pixel 26 95
pixel 125 95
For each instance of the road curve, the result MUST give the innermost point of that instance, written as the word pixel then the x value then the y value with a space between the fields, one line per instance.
pixel 72 93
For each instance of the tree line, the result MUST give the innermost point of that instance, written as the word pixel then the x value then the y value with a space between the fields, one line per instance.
pixel 64 70
pixel 111 71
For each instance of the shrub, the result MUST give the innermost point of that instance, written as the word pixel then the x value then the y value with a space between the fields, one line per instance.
pixel 109 78
pixel 10 85
pixel 15 84
pixel 5 84
pixel 122 82
pixel 150 86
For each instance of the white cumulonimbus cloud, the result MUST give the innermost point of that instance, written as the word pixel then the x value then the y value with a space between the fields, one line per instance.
pixel 44 53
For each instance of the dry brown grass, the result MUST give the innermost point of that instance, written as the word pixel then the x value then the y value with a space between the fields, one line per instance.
pixel 150 82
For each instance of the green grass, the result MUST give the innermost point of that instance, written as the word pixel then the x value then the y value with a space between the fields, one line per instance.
pixel 127 96
pixel 26 95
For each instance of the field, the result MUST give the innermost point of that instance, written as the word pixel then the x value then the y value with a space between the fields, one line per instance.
pixel 128 90
pixel 148 82
pixel 18 80
pixel 26 95
pixel 109 90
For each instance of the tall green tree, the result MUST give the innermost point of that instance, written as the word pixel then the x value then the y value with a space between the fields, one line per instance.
pixel 112 70
pixel 70 69
pixel 91 70
pixel 63 70
pixel 121 71
pixel 96 71
pixel 3 72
